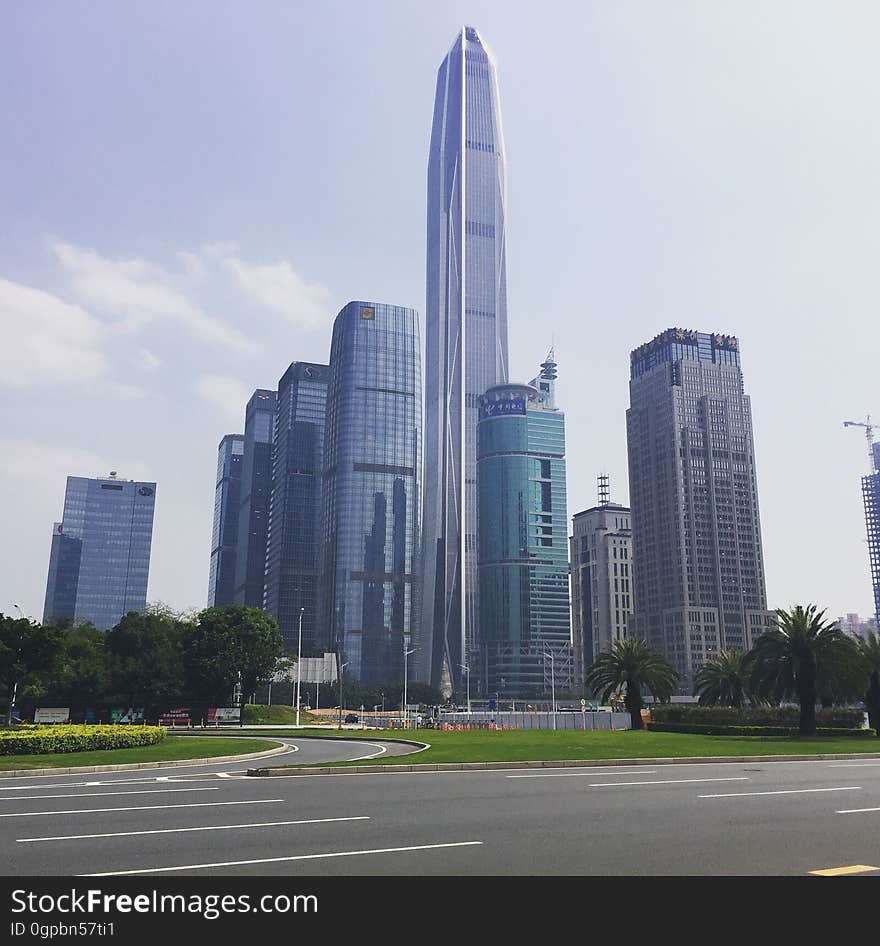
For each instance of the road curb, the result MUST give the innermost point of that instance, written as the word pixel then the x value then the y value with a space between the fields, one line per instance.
pixel 126 767
pixel 553 763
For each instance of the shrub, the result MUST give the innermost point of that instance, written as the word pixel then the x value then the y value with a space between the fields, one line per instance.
pixel 722 730
pixel 77 738
pixel 837 717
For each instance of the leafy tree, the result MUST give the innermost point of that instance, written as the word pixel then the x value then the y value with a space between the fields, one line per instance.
pixel 869 655
pixel 209 661
pixel 28 654
pixel 80 677
pixel 723 680
pixel 797 659
pixel 144 655
pixel 248 640
pixel 631 664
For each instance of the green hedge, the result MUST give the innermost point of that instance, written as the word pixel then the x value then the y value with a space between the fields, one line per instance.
pixel 721 730
pixel 785 717
pixel 34 740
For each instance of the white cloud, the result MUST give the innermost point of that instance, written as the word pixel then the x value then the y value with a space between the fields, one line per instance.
pixel 46 339
pixel 46 467
pixel 227 395
pixel 146 360
pixel 136 293
pixel 281 289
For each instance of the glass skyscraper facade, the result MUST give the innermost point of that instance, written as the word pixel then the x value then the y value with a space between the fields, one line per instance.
pixel 699 566
pixel 253 515
pixel 99 562
pixel 465 344
pixel 371 489
pixel 523 540
pixel 224 537
pixel 871 493
pixel 293 539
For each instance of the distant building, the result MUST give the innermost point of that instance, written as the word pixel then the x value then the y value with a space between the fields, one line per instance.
pixel 253 516
pixel 853 625
pixel 292 546
pixel 523 540
pixel 372 489
pixel 601 580
pixel 224 538
pixel 99 562
pixel 699 578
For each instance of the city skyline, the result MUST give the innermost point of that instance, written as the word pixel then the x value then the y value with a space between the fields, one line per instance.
pixel 135 301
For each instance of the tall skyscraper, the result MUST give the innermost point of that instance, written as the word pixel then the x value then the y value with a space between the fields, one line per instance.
pixel 699 575
pixel 253 516
pixel 465 343
pixel 523 540
pixel 99 561
pixel 371 489
pixel 292 547
pixel 224 538
pixel 871 493
pixel 601 579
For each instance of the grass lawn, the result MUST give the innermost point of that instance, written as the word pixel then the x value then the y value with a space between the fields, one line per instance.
pixel 278 715
pixel 171 749
pixel 546 745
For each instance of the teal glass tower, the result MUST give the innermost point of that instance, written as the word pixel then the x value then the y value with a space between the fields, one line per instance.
pixel 523 539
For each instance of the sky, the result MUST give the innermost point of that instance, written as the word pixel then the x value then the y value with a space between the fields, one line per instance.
pixel 190 192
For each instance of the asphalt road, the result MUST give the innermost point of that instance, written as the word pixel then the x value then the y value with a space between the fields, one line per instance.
pixel 719 818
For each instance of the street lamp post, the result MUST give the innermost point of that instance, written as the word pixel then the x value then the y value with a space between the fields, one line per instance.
pixel 406 654
pixel 299 648
pixel 467 670
pixel 341 668
pixel 552 684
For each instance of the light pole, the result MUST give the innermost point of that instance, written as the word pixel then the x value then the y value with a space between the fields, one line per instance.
pixel 341 668
pixel 406 654
pixel 552 684
pixel 299 648
pixel 467 670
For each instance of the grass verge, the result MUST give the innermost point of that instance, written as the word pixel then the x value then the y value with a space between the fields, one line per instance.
pixel 278 715
pixel 171 749
pixel 543 745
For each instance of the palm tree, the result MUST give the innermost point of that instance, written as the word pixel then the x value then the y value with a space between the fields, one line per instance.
pixel 723 680
pixel 797 658
pixel 632 665
pixel 869 655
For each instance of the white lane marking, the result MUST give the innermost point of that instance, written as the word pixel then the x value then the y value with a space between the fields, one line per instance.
pixel 140 791
pixel 788 791
pixel 855 811
pixel 372 755
pixel 90 811
pixel 853 765
pixel 671 781
pixel 587 773
pixel 213 827
pixel 294 857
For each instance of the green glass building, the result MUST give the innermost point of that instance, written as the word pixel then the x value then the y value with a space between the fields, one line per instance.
pixel 523 540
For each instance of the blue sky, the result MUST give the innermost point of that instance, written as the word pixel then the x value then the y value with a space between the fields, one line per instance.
pixel 190 192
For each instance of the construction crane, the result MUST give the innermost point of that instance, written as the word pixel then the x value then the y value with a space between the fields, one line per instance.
pixel 869 433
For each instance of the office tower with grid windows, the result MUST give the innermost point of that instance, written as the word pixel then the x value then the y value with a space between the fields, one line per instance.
pixel 601 579
pixel 523 541
pixel 292 544
pixel 253 513
pixel 224 536
pixel 371 490
pixel 699 567
pixel 871 494
pixel 99 561
pixel 465 345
